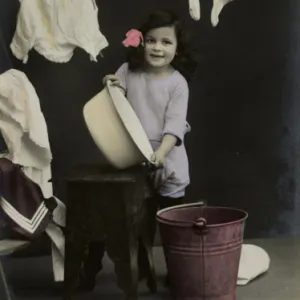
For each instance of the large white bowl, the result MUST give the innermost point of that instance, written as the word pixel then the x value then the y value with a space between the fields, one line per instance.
pixel 116 129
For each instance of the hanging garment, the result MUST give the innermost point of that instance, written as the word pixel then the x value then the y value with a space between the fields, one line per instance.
pixel 5 64
pixel 195 10
pixel 218 5
pixel 22 200
pixel 24 130
pixel 55 27
pixel 22 123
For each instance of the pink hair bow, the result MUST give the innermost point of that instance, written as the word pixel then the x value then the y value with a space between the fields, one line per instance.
pixel 133 38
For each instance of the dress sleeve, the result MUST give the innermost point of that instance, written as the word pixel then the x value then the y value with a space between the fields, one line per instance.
pixel 122 74
pixel 23 39
pixel 175 117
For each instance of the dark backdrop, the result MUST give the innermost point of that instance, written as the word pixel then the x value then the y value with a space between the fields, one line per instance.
pixel 244 106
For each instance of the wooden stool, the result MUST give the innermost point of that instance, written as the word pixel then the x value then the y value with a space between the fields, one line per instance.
pixel 105 204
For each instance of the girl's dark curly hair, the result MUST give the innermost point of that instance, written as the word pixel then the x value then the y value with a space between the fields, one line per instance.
pixel 184 61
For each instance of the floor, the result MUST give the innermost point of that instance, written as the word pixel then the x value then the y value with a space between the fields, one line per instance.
pixel 31 279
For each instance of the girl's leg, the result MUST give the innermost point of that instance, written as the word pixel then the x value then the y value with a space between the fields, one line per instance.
pixel 153 204
pixel 165 202
pixel 150 229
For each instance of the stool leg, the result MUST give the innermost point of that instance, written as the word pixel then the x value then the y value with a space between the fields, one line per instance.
pixel 125 262
pixel 151 276
pixel 75 248
pixel 146 261
pixel 165 202
pixel 76 239
pixel 142 260
pixel 133 251
pixel 92 265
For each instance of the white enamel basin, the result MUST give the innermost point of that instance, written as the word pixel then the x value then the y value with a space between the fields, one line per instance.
pixel 116 129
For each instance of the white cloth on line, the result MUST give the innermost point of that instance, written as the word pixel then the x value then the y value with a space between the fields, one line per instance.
pixel 218 5
pixel 195 11
pixel 54 28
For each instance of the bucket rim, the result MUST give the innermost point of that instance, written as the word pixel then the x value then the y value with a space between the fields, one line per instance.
pixel 197 204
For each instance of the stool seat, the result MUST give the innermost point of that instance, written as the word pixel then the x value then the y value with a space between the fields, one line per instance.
pixel 107 204
pixel 102 173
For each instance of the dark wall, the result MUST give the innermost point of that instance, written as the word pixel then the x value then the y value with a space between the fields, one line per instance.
pixel 244 107
pixel 7 25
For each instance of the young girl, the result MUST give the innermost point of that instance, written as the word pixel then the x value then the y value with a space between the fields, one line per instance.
pixel 154 79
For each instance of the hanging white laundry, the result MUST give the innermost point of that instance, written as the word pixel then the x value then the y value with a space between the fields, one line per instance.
pixel 218 5
pixel 55 27
pixel 22 123
pixel 24 130
pixel 195 11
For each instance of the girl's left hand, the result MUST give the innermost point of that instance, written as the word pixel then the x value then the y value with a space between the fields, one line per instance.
pixel 158 159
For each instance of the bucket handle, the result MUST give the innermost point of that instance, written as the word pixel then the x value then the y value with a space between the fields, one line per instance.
pixel 203 202
pixel 200 226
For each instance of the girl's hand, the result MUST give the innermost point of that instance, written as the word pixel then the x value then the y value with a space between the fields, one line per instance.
pixel 115 80
pixel 158 159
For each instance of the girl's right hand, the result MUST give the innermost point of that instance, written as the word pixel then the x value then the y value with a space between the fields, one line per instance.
pixel 115 80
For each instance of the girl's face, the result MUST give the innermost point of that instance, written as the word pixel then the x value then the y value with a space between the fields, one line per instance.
pixel 160 47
